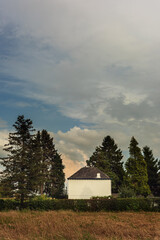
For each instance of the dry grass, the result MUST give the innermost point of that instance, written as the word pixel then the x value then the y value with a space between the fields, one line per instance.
pixel 61 225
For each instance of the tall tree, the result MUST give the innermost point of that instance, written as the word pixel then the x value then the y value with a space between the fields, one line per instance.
pixel 136 168
pixel 55 184
pixel 51 175
pixel 16 164
pixel 35 166
pixel 108 157
pixel 152 170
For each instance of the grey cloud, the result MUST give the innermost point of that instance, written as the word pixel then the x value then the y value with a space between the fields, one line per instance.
pixel 139 111
pixel 97 62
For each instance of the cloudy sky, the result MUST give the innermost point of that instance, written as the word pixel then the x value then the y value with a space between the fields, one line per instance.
pixel 81 69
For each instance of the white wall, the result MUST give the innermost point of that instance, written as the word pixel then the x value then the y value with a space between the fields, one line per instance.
pixel 85 189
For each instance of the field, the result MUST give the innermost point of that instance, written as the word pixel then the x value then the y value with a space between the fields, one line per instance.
pixel 61 225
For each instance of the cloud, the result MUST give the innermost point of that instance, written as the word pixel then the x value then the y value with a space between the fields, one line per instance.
pixel 77 145
pixel 97 61
pixel 3 140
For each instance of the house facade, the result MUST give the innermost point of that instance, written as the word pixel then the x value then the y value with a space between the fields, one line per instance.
pixel 88 182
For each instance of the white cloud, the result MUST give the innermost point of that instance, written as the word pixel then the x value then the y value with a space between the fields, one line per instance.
pixel 3 140
pixel 97 61
pixel 77 145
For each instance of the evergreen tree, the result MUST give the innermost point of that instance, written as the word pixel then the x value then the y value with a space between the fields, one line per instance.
pixel 51 175
pixel 16 164
pixel 152 170
pixel 108 158
pixel 35 175
pixel 5 189
pixel 136 167
pixel 55 183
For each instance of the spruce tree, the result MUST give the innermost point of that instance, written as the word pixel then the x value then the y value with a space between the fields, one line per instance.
pixel 35 175
pixel 136 167
pixel 152 170
pixel 55 182
pixel 108 158
pixel 16 164
pixel 50 168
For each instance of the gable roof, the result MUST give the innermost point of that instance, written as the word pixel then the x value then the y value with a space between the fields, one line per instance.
pixel 89 173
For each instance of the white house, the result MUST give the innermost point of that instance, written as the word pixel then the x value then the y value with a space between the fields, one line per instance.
pixel 88 182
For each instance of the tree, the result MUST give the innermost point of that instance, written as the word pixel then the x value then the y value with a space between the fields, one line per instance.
pixel 16 164
pixel 32 164
pixel 152 170
pixel 108 158
pixel 35 154
pixel 55 183
pixel 136 167
pixel 126 191
pixel 50 167
pixel 5 189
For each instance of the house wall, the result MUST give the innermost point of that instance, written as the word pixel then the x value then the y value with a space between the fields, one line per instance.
pixel 85 189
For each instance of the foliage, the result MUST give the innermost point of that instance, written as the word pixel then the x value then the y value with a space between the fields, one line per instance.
pixel 104 197
pixel 113 204
pixel 9 204
pixel 40 198
pixel 137 177
pixel 5 189
pixel 16 164
pixel 152 170
pixel 126 192
pixel 108 158
pixel 32 164
pixel 51 175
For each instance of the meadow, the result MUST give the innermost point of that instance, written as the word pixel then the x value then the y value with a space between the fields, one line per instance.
pixel 69 225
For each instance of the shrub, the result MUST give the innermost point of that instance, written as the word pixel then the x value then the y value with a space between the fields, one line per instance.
pixel 1 204
pixel 98 204
pixel 9 204
pixel 41 197
pixel 126 192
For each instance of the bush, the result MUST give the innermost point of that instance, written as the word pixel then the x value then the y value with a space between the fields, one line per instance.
pixel 40 205
pixel 1 204
pixel 41 197
pixel 126 192
pixel 98 204
pixel 8 204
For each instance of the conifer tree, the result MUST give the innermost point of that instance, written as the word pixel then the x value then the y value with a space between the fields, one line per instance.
pixel 136 168
pixel 108 158
pixel 152 170
pixel 51 175
pixel 55 182
pixel 16 164
pixel 35 165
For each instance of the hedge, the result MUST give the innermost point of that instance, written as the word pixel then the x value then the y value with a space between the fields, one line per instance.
pixel 114 204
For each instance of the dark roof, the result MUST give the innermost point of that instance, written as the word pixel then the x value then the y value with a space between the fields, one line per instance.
pixel 89 173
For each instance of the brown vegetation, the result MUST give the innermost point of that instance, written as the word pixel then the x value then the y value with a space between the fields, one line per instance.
pixel 61 225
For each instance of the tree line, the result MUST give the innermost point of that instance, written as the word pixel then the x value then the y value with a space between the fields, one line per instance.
pixel 32 165
pixel 139 175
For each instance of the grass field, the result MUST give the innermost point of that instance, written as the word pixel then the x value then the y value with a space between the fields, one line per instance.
pixel 61 225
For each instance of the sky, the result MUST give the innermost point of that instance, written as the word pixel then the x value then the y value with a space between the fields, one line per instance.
pixel 82 70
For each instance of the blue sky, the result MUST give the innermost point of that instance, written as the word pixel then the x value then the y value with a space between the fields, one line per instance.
pixel 82 70
pixel 13 103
